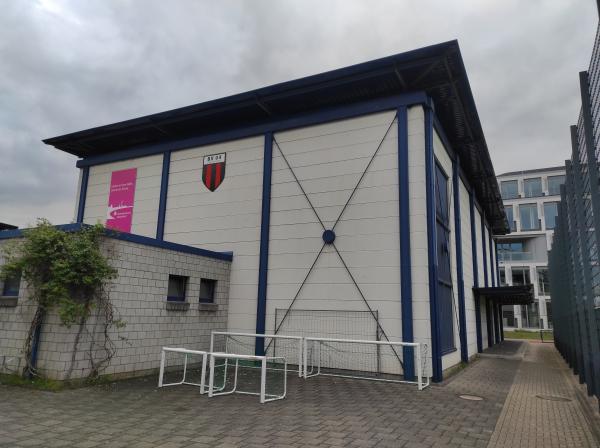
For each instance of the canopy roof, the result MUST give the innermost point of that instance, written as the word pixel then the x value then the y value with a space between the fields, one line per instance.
pixel 507 295
pixel 437 70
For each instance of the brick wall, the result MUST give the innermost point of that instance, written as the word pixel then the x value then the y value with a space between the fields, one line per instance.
pixel 139 298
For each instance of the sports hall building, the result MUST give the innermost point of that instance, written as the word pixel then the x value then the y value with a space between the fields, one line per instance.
pixel 368 189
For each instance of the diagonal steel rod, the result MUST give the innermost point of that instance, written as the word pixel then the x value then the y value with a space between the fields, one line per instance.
pixel 364 172
pixel 366 303
pixel 298 182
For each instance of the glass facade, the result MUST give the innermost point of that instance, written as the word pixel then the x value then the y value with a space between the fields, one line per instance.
pixel 509 189
pixel 511 219
pixel 543 281
pixel 550 214
pixel 529 217
pixel 532 187
pixel 554 183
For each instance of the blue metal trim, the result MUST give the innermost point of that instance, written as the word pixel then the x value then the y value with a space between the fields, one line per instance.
pixel 405 258
pixel 331 114
pixel 462 318
pixel 475 273
pixel 263 266
pixel 139 239
pixel 489 323
pixel 85 176
pixel 164 187
pixel 436 357
pixel 483 244
pixel 492 269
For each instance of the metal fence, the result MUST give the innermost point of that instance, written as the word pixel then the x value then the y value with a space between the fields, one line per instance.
pixel 573 265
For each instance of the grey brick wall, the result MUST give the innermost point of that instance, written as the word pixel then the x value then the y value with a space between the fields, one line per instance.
pixel 139 298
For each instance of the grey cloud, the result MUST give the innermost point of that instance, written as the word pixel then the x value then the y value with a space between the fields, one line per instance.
pixel 71 65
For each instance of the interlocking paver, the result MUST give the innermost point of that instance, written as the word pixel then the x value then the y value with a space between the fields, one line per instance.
pixel 321 411
pixel 529 421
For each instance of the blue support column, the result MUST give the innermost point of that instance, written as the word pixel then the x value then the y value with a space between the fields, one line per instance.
pixel 85 175
pixel 405 258
pixel 462 318
pixel 263 266
pixel 162 205
pixel 492 269
pixel 483 245
pixel 436 358
pixel 475 272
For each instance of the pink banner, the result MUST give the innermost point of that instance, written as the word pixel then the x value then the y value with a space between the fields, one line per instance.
pixel 120 200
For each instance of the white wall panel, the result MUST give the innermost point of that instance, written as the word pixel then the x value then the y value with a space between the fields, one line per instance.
pixel 468 277
pixel 147 193
pixel 328 160
pixel 227 219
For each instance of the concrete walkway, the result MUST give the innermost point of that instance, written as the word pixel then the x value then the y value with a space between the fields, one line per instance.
pixel 544 407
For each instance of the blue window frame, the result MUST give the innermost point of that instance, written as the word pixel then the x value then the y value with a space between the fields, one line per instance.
pixel 554 183
pixel 529 217
pixel 207 290
pixel 550 214
pixel 509 189
pixel 532 187
pixel 177 288
pixel 11 286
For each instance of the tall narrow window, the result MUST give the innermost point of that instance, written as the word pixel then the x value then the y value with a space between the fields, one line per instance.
pixel 532 187
pixel 509 189
pixel 511 219
pixel 520 275
pixel 550 214
pixel 529 217
pixel 554 183
pixel 543 281
pixel 502 277
pixel 177 287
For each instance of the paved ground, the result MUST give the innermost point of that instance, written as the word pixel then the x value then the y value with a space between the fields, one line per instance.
pixel 321 411
pixel 543 407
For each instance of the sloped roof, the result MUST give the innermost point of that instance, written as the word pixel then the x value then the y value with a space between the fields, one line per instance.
pixel 437 70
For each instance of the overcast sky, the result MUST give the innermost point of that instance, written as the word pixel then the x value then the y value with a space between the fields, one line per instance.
pixel 71 65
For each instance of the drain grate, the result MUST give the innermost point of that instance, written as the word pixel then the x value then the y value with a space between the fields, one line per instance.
pixel 552 398
pixel 471 397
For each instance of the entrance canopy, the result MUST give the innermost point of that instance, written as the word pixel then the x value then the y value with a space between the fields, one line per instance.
pixel 506 295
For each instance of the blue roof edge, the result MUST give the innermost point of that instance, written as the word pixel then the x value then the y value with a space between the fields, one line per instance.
pixel 133 238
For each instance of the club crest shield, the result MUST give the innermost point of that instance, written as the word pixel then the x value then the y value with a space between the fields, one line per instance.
pixel 213 171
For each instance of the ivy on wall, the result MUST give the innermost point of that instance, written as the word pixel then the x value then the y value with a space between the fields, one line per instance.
pixel 66 273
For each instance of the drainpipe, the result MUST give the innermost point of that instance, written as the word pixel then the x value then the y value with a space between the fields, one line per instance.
pixel 35 346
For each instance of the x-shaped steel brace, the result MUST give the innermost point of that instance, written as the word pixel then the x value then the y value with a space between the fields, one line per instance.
pixel 329 236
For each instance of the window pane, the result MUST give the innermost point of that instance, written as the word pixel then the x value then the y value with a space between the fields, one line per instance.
pixel 510 189
pixel 529 217
pixel 520 275
pixel 176 290
pixel 511 218
pixel 11 286
pixel 502 277
pixel 554 183
pixel 207 290
pixel 543 282
pixel 532 187
pixel 550 214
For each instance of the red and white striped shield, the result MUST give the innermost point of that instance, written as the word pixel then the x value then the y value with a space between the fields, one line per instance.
pixel 213 171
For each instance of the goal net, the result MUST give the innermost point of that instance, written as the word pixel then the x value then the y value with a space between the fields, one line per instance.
pixel 277 347
pixel 182 366
pixel 365 359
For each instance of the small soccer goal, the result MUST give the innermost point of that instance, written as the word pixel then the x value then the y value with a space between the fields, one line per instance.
pixel 182 366
pixel 276 347
pixel 238 374
pixel 364 359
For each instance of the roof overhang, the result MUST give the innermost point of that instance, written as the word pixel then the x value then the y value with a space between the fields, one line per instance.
pixel 506 295
pixel 437 70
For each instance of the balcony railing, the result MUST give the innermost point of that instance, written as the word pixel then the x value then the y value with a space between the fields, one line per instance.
pixel 515 256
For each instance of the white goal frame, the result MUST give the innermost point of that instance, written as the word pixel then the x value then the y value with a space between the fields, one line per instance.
pixel 264 397
pixel 421 384
pixel 185 352
pixel 299 339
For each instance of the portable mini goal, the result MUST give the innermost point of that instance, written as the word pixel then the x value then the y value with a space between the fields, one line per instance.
pixel 186 353
pixel 276 346
pixel 262 360
pixel 362 359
